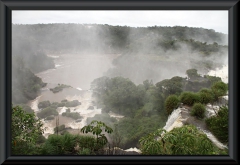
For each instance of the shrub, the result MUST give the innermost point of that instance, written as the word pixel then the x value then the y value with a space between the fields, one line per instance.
pixel 87 142
pixel 205 96
pixel 41 139
pixel 67 145
pixel 198 110
pixel 84 151
pixel 219 89
pixel 59 145
pixel 218 125
pixel 189 98
pixel 171 103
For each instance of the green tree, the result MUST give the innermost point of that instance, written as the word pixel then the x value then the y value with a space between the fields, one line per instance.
pixel 117 94
pixel 212 79
pixel 96 128
pixel 198 110
pixel 171 103
pixel 192 73
pixel 171 86
pixel 25 130
pixel 189 98
pixel 205 96
pixel 219 89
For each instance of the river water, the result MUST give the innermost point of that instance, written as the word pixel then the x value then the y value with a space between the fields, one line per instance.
pixel 78 71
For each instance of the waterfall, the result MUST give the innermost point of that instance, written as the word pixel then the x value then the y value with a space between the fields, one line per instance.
pixel 174 120
pixel 34 104
pixel 180 115
pixel 213 138
pixel 133 149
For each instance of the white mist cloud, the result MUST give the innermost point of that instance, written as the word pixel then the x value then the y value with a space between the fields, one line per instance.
pixel 216 20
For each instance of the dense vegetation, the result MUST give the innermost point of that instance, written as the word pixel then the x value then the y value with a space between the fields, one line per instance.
pixel 25 132
pixel 197 100
pixel 27 137
pixel 146 106
pixel 186 140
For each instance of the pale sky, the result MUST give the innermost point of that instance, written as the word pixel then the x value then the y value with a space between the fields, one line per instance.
pixel 209 19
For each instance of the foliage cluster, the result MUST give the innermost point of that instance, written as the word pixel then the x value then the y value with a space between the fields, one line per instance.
pixel 186 140
pixel 25 132
pixel 189 98
pixel 218 124
pixel 198 110
pixel 171 103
